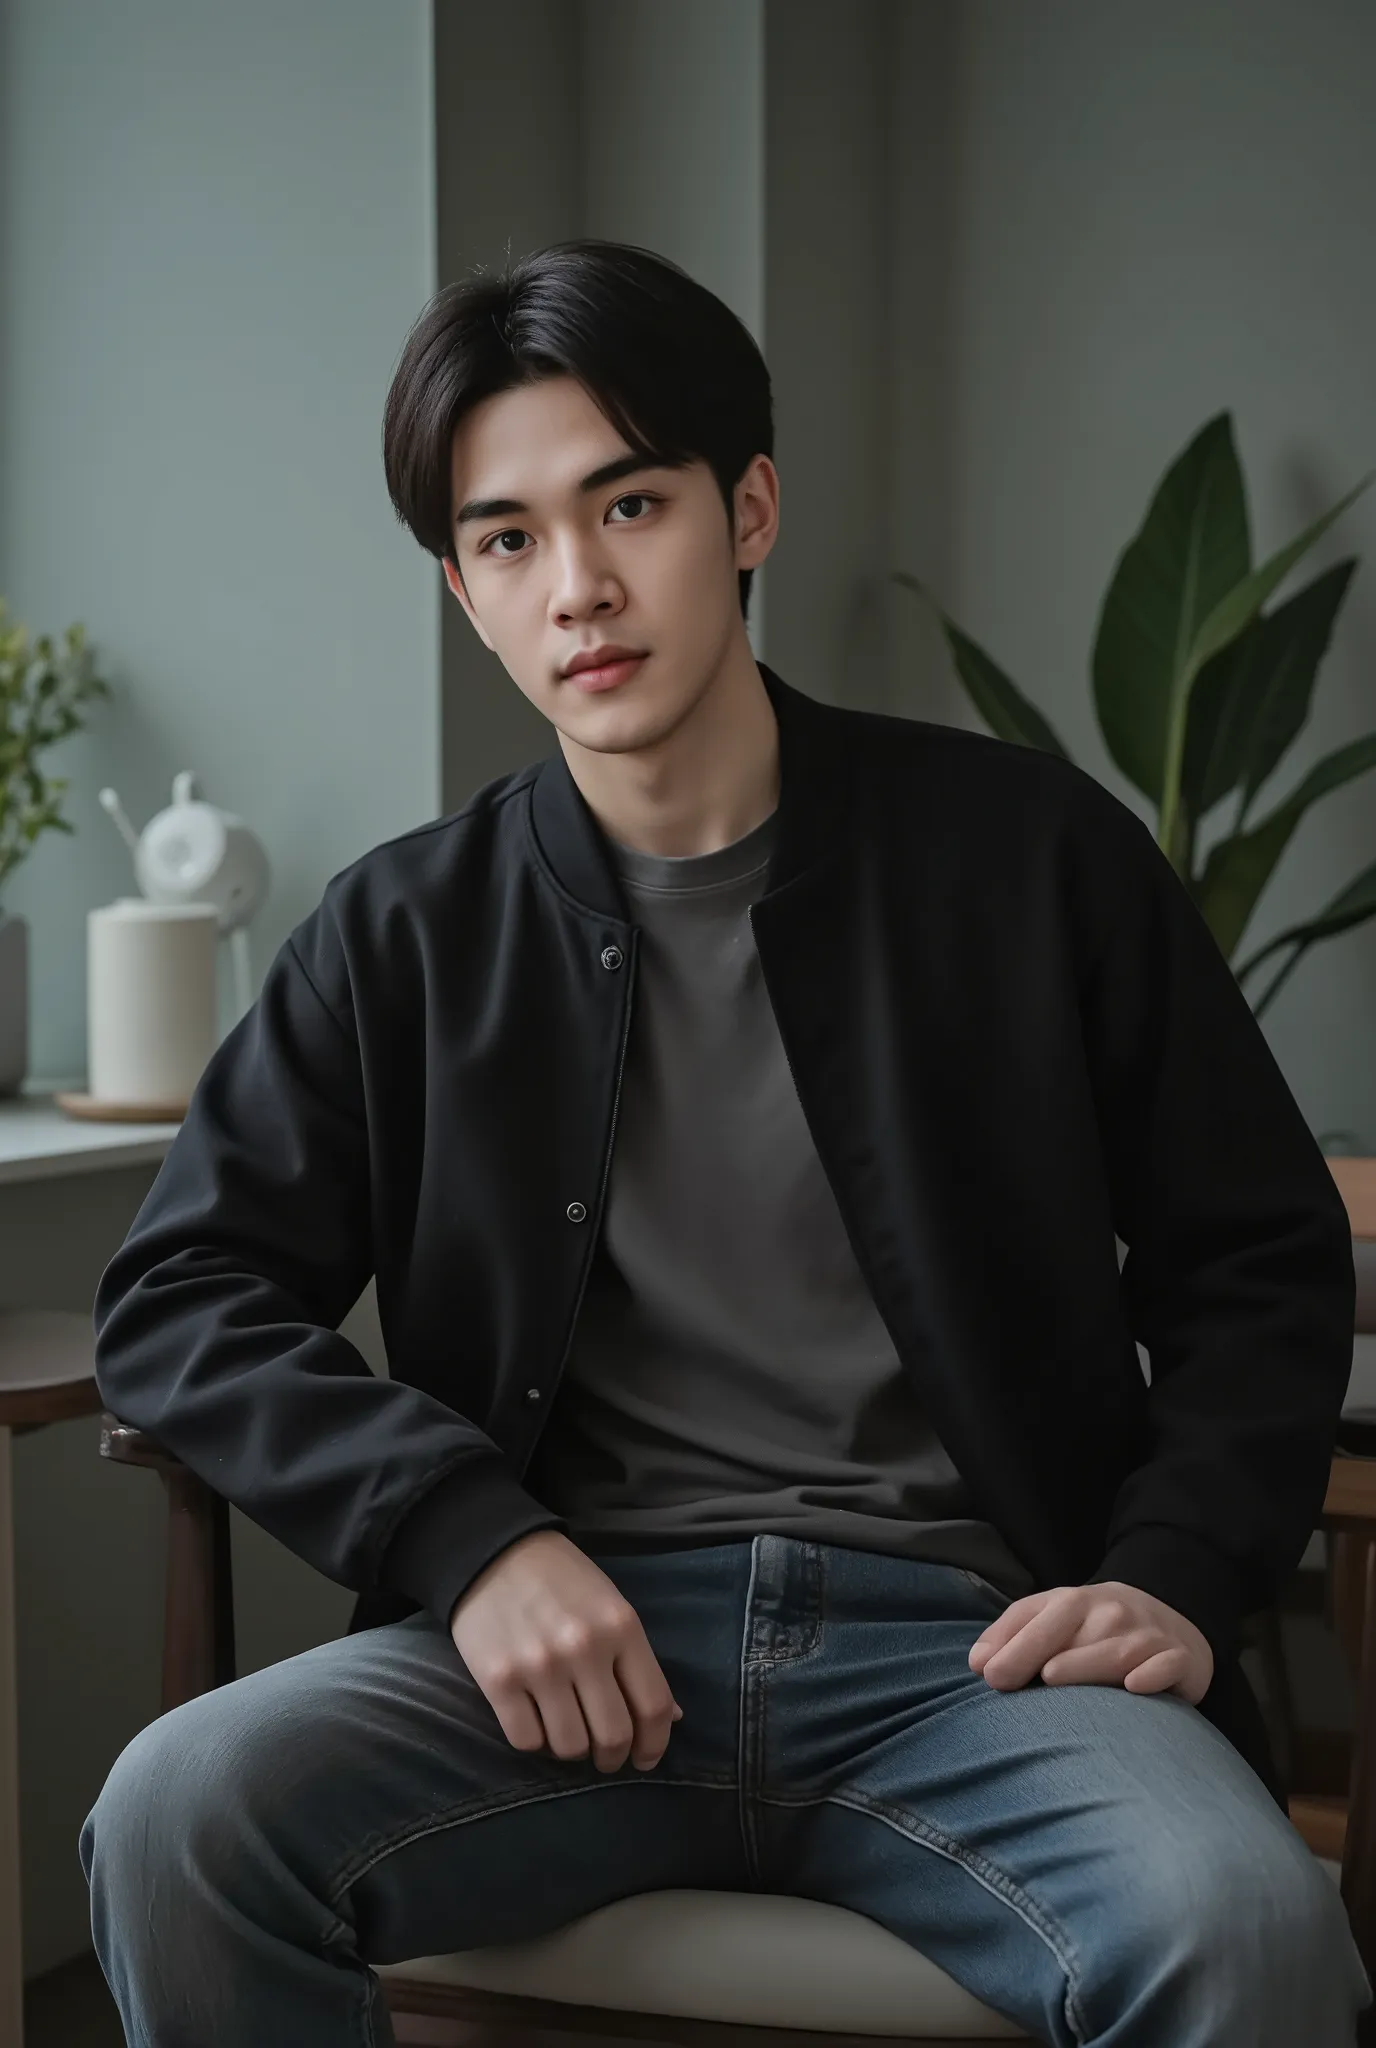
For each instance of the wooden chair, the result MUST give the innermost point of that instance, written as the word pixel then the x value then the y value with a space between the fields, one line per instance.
pixel 1349 1531
pixel 707 1969
pixel 47 1374
pixel 736 1970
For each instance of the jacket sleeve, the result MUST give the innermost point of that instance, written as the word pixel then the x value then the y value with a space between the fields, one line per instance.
pixel 216 1320
pixel 1238 1276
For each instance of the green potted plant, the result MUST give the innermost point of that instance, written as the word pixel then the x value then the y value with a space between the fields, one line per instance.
pixel 1199 691
pixel 41 693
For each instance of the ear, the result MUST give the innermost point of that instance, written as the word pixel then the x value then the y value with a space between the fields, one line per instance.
pixel 756 512
pixel 452 578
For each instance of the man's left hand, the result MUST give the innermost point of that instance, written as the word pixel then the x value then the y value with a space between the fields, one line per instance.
pixel 1109 1634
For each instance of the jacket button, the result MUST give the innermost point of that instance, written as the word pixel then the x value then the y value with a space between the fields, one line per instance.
pixel 532 1393
pixel 575 1212
pixel 611 956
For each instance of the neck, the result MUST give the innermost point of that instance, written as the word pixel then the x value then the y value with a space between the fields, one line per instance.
pixel 709 779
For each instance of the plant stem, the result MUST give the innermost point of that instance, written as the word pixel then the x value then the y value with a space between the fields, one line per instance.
pixel 1170 781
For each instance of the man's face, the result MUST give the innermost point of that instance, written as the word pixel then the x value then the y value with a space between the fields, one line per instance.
pixel 646 560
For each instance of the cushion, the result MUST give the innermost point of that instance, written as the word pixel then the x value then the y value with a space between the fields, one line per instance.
pixel 759 1958
pixel 762 1959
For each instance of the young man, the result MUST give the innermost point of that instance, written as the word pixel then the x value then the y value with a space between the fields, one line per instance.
pixel 740 1110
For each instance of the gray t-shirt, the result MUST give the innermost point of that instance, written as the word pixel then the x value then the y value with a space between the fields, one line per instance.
pixel 729 1371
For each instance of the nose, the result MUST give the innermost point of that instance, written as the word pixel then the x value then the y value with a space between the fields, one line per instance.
pixel 584 585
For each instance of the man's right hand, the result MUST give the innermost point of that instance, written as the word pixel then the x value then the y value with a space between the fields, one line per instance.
pixel 560 1655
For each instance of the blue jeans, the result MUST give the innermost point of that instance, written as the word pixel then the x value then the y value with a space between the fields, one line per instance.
pixel 1097 1864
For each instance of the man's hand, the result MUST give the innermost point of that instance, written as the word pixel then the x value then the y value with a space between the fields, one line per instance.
pixel 561 1656
pixel 1109 1634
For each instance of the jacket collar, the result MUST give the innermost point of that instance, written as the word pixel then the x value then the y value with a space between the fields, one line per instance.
pixel 815 781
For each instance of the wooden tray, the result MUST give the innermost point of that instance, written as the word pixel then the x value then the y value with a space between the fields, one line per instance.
pixel 79 1105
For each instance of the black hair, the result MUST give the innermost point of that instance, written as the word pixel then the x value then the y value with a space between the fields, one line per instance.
pixel 671 366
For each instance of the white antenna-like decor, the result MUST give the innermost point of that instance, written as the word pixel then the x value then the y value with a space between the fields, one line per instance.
pixel 193 852
pixel 110 802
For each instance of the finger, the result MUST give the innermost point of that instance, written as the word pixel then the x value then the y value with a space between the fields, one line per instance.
pixel 649 1697
pixel 519 1718
pixel 607 1717
pixel 1006 1625
pixel 561 1714
pixel 1107 1662
pixel 1014 1664
pixel 1053 1629
pixel 1159 1673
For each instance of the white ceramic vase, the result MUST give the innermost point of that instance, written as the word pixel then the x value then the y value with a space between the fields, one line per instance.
pixel 14 1003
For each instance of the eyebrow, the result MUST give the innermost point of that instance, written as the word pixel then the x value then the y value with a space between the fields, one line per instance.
pixel 609 473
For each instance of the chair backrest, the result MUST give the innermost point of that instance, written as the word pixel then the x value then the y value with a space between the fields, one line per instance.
pixel 1364 1259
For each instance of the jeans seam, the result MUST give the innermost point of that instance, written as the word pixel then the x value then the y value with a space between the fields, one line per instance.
pixel 369 1857
pixel 1043 1924
pixel 816 1564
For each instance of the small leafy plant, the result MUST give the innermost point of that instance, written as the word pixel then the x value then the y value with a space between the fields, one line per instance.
pixel 41 693
pixel 1199 691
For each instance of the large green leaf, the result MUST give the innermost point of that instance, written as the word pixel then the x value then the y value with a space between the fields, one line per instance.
pixel 1192 548
pixel 1229 618
pixel 1239 606
pixel 1000 703
pixel 1239 867
pixel 1351 906
pixel 1252 698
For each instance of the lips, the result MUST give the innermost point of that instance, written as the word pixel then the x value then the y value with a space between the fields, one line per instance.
pixel 606 675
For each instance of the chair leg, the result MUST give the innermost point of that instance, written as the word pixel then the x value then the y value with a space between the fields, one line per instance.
pixel 1278 1708
pixel 198 1626
pixel 1359 1847
pixel 11 1921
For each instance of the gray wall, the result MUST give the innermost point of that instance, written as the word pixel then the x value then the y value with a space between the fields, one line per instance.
pixel 215 225
pixel 1159 209
pixel 827 217
pixel 609 118
pixel 672 105
pixel 507 91
pixel 205 288
pixel 921 115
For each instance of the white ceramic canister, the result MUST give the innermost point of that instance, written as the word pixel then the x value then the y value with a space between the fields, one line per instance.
pixel 151 999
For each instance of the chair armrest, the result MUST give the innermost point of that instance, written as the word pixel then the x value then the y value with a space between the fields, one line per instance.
pixel 1349 1524
pixel 198 1606
pixel 125 1445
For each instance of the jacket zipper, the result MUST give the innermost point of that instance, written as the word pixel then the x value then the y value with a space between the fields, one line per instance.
pixel 601 1198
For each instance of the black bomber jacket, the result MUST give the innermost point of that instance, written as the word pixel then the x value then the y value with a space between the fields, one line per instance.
pixel 1018 1048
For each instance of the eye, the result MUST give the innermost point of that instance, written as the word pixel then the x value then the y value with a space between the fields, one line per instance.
pixel 493 544
pixel 490 544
